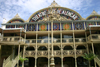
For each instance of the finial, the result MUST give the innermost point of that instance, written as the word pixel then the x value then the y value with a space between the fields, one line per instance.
pixel 54 4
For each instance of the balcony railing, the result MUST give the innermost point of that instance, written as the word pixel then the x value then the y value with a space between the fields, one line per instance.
pixel 56 53
pixel 13 39
pixel 68 52
pixel 67 40
pixel 29 53
pixel 64 40
pixel 42 53
pixel 80 52
pixel 93 37
pixel 80 40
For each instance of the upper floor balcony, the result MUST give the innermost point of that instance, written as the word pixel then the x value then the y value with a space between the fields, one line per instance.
pixel 94 38
pixel 13 40
pixel 17 39
pixel 57 53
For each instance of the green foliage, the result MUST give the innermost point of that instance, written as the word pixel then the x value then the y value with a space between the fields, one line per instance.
pixel 89 56
pixel 22 59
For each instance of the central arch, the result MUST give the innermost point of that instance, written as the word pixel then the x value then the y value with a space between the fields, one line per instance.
pixel 62 11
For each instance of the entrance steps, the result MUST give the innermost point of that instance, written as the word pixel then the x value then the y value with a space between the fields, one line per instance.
pixel 9 62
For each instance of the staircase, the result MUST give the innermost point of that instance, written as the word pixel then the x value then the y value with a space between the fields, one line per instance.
pixel 97 60
pixel 9 62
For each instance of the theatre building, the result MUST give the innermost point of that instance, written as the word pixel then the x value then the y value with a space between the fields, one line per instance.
pixel 51 37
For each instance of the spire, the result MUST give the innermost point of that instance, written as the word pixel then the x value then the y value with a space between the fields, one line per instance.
pixel 17 16
pixel 54 4
pixel 94 13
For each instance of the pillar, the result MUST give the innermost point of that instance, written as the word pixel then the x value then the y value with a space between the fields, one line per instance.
pixel 18 54
pixel 86 42
pixel 0 56
pixel 61 47
pixel 75 50
pixel 52 55
pixel 48 50
pixel 36 51
pixel 23 55
pixel 93 53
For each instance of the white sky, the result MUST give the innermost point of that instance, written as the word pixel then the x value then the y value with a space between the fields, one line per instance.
pixel 25 8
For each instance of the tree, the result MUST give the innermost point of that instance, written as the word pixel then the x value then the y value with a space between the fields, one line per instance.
pixel 22 59
pixel 89 57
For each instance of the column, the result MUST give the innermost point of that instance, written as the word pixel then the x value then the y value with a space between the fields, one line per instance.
pixel 86 42
pixel 18 54
pixel 52 55
pixel 61 49
pixel 62 57
pixel 0 55
pixel 36 51
pixel 48 50
pixel 93 53
pixel 23 55
pixel 75 50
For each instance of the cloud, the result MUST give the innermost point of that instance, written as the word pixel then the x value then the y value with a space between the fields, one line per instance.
pixel 25 8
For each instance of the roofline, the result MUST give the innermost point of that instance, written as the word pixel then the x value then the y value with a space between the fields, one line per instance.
pixel 70 21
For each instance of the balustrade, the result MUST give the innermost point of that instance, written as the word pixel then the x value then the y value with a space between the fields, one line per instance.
pixel 93 37
pixel 80 40
pixel 42 53
pixel 29 53
pixel 80 52
pixel 67 40
pixel 15 38
pixel 68 52
pixel 57 52
pixel 30 41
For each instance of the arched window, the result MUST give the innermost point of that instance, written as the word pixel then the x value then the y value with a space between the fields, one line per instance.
pixel 80 47
pixel 42 48
pixel 68 48
pixel 30 48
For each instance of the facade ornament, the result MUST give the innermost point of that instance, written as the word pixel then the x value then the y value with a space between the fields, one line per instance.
pixel 54 4
pixel 4 22
pixel 17 16
pixel 94 13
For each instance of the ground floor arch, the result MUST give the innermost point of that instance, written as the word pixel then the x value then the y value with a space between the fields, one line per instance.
pixel 30 62
pixel 68 62
pixel 57 61
pixel 42 62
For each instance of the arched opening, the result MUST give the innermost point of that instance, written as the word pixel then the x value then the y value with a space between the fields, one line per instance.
pixel 81 47
pixel 69 62
pixel 81 62
pixel 42 48
pixel 56 48
pixel 30 62
pixel 57 61
pixel 42 62
pixel 68 48
pixel 30 48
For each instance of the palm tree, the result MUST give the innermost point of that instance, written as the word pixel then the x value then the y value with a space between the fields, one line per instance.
pixel 22 59
pixel 89 57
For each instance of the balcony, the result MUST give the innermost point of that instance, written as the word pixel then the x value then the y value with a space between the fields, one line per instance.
pixel 29 53
pixel 80 52
pixel 94 38
pixel 57 53
pixel 13 40
pixel 43 41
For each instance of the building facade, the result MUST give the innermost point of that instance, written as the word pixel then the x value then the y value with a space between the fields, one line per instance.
pixel 53 36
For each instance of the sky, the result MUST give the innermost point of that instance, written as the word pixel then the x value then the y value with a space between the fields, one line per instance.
pixel 25 8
